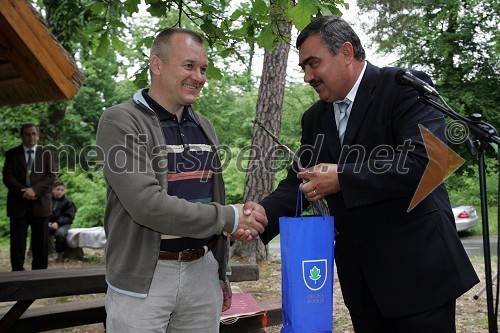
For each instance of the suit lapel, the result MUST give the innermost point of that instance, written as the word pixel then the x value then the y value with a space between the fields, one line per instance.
pixel 330 129
pixel 21 157
pixel 38 159
pixel 361 103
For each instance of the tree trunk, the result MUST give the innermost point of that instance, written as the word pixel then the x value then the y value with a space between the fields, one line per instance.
pixel 261 168
pixel 51 124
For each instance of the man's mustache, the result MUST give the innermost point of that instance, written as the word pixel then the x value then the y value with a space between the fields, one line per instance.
pixel 315 83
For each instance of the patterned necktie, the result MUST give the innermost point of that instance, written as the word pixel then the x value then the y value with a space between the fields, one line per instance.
pixel 342 107
pixel 29 166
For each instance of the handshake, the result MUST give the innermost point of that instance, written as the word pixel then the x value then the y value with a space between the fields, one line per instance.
pixel 251 223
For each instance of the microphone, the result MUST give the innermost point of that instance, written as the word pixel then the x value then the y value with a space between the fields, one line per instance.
pixel 405 78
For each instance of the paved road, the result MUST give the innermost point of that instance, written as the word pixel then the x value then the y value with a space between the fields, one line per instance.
pixel 473 245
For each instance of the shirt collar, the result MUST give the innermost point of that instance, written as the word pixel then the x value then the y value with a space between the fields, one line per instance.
pixel 26 149
pixel 160 111
pixel 350 96
pixel 354 90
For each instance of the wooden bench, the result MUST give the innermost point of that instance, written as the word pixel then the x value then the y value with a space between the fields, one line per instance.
pixel 25 287
pixel 92 311
pixel 61 315
pixel 243 272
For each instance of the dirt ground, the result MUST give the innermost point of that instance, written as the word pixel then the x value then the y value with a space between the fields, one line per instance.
pixel 471 314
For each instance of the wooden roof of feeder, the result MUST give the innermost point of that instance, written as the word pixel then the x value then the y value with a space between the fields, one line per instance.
pixel 34 67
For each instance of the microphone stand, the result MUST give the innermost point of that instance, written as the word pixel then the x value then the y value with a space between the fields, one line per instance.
pixel 484 133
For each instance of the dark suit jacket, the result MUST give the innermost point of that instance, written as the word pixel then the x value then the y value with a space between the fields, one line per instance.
pixel 42 177
pixel 412 261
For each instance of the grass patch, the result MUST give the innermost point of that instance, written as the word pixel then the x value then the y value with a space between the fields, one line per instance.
pixel 492 222
pixel 275 240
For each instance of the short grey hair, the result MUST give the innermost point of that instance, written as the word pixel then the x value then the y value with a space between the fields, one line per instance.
pixel 161 42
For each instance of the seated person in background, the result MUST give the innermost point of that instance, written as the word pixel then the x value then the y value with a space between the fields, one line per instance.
pixel 63 214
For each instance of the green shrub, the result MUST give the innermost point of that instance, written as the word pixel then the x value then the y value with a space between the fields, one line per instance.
pixel 88 191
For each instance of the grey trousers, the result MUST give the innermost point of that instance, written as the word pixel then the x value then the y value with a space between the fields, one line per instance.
pixel 184 297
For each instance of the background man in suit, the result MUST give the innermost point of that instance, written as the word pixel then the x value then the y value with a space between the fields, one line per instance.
pixel 399 271
pixel 28 173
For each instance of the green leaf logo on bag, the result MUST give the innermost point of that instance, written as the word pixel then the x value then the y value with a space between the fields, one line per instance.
pixel 315 273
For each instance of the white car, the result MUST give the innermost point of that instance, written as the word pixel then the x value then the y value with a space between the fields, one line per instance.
pixel 465 217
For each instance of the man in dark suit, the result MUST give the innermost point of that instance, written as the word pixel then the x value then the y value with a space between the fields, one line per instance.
pixel 399 271
pixel 28 173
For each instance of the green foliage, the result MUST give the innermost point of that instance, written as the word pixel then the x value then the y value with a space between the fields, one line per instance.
pixel 463 188
pixel 228 29
pixel 67 28
pixel 97 93
pixel 463 185
pixel 4 220
pixel 87 190
pixel 108 43
pixel 234 176
pixel 234 173
pixel 456 41
pixel 12 119
pixel 298 98
pixel 230 104
pixel 231 108
pixel 301 13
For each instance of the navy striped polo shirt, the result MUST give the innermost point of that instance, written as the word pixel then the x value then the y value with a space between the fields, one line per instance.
pixel 190 165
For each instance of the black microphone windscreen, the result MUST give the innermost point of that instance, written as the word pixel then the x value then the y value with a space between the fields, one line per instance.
pixel 400 74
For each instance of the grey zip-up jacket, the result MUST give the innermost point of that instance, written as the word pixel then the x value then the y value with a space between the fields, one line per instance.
pixel 132 148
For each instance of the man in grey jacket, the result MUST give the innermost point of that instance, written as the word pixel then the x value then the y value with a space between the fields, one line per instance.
pixel 166 218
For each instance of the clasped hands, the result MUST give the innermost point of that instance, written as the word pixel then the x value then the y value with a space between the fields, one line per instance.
pixel 252 221
pixel 29 193
pixel 322 180
pixel 53 225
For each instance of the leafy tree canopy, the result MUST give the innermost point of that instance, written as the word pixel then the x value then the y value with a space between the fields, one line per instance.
pixel 456 41
pixel 227 27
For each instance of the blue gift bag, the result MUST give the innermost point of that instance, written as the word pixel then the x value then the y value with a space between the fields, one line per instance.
pixel 307 248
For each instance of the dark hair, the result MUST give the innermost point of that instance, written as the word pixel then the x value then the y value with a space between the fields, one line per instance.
pixel 162 41
pixel 28 125
pixel 58 182
pixel 334 32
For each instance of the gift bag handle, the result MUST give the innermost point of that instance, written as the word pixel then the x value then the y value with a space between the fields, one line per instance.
pixel 299 200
